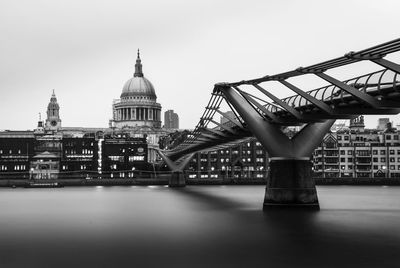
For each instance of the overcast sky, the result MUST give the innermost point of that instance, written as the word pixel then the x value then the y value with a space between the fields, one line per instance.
pixel 86 50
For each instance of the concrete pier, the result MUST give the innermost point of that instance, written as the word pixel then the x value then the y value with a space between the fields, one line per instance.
pixel 177 179
pixel 290 184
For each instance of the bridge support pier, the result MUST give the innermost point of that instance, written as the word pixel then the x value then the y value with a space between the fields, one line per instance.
pixel 177 179
pixel 290 182
pixel 290 185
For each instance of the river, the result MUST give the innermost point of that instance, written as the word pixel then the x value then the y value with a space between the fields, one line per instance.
pixel 196 226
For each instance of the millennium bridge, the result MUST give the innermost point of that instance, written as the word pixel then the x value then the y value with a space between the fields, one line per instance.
pixel 259 112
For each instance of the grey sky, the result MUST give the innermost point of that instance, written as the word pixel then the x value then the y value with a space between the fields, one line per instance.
pixel 86 50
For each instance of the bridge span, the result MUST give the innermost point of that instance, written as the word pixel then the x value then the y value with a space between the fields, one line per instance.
pixel 260 113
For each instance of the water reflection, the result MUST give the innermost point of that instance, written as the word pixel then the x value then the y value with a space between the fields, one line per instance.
pixel 198 226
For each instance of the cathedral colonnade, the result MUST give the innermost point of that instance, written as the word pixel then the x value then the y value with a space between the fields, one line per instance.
pixel 138 114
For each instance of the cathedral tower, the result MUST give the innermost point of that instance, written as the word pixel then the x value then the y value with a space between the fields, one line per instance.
pixel 138 105
pixel 53 121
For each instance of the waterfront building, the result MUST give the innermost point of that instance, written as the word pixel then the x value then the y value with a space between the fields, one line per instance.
pixel 359 153
pixel 124 157
pixel 247 160
pixel 171 120
pixel 16 152
pixel 79 156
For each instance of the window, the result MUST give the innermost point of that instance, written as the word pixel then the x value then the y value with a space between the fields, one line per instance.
pixel 374 151
pixel 342 152
pixel 391 152
pixel 388 137
pixel 350 159
pixel 383 159
pixel 346 138
pixel 375 167
pixel 19 167
pixel 391 159
pixel 350 152
pixel 116 158
pixel 375 159
pixel 350 166
pixel 141 158
pixel 383 152
pixel 339 138
pixel 392 167
pixel 342 159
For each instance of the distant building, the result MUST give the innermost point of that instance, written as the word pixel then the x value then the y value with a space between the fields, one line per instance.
pixel 171 120
pixel 338 127
pixel 382 122
pixel 53 121
pixel 357 124
pixel 229 114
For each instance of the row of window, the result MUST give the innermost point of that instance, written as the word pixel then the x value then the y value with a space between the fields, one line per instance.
pixel 73 152
pixel 351 159
pixel 10 151
pixel 346 138
pixel 16 167
pixel 131 158
pixel 82 167
pixel 358 152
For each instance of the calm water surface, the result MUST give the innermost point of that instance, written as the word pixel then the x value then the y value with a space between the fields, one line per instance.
pixel 198 226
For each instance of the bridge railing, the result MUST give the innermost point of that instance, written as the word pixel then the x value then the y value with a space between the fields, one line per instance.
pixel 366 83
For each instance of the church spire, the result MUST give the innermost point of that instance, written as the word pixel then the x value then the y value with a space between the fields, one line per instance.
pixel 138 66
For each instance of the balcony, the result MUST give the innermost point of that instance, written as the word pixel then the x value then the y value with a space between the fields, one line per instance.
pixel 358 162
pixel 363 170
pixel 331 170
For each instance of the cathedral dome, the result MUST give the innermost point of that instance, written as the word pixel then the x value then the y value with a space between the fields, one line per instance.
pixel 138 85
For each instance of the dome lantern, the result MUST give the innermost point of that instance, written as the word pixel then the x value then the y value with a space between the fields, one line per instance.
pixel 138 86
